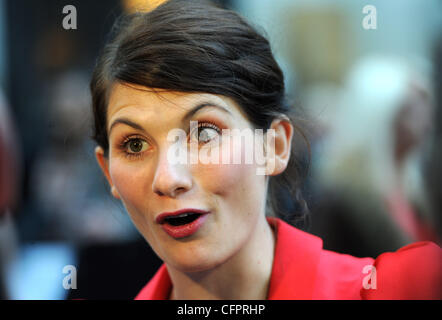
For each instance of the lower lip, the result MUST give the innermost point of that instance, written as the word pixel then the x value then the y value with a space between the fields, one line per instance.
pixel 185 230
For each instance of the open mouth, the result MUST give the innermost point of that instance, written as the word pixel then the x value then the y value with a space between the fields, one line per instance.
pixel 182 223
pixel 182 219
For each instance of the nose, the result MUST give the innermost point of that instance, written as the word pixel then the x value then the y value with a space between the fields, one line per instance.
pixel 171 179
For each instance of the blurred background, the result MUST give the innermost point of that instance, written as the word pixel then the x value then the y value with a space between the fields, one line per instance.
pixel 369 101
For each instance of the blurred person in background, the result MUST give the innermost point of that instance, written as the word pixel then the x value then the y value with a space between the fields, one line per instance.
pixel 9 190
pixel 433 168
pixel 62 167
pixel 373 198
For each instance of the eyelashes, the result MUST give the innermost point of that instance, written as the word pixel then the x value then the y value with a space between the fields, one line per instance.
pixel 133 141
pixel 135 146
pixel 209 131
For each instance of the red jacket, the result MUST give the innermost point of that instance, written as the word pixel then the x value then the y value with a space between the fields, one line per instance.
pixel 302 269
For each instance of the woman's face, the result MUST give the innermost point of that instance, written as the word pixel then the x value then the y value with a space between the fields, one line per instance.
pixel 148 184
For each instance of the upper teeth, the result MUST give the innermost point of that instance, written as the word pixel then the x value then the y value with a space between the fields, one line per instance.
pixel 181 215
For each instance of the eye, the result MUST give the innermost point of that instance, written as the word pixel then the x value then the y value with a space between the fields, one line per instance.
pixel 205 132
pixel 135 145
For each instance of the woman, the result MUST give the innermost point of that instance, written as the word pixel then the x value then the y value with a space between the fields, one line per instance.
pixel 190 62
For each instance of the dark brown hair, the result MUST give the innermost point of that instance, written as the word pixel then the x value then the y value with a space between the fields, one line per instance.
pixel 196 46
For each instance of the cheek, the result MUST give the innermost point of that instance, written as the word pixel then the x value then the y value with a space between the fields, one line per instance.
pixel 225 179
pixel 129 180
pixel 220 179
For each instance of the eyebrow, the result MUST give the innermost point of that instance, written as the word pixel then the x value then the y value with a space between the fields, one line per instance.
pixel 188 115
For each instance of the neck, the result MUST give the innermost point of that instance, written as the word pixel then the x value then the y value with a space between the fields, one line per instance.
pixel 245 275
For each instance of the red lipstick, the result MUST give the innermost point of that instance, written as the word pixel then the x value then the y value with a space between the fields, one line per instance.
pixel 182 223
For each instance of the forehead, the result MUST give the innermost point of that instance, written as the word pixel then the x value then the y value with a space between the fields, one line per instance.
pixel 159 103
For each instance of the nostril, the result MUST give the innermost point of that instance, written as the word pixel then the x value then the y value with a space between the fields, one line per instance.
pixel 172 193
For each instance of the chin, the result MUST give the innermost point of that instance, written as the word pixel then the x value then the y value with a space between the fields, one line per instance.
pixel 190 263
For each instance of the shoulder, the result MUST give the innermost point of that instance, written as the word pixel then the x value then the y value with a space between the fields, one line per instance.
pixel 340 276
pixel 412 272
pixel 158 288
pixel 302 269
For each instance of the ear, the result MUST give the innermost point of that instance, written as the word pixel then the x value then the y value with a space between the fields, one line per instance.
pixel 279 144
pixel 103 162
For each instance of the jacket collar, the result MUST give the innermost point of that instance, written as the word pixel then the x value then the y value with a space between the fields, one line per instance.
pixel 295 263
